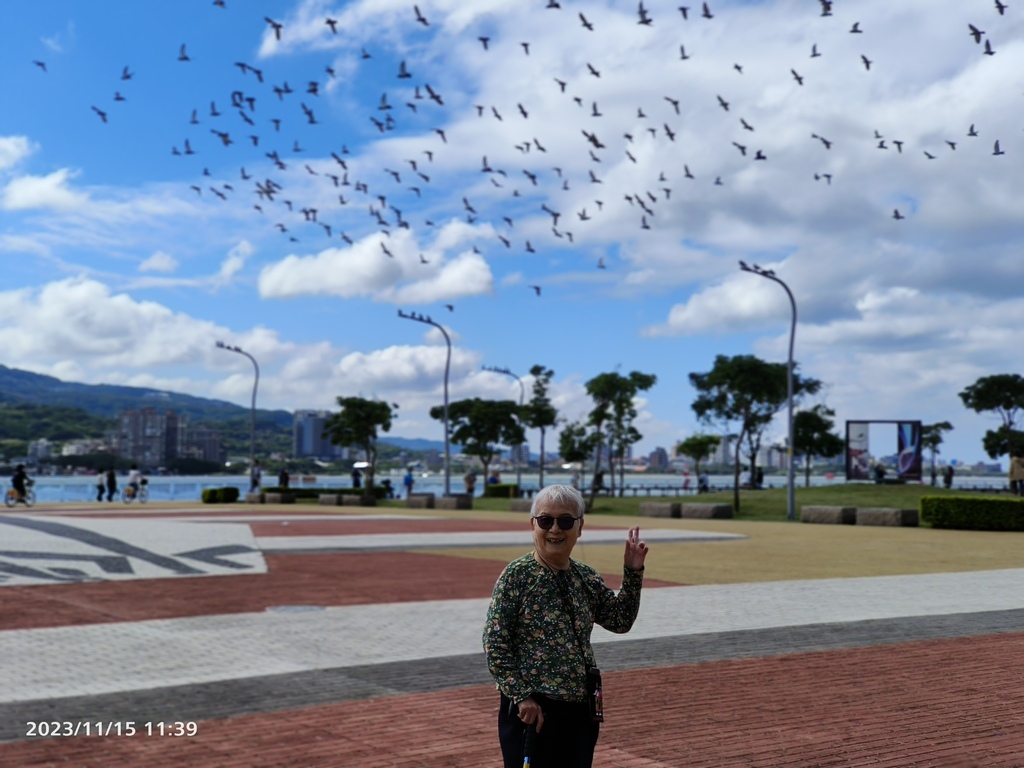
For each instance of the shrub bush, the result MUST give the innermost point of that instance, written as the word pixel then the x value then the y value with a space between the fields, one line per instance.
pixel 501 491
pixel 973 514
pixel 225 495
pixel 314 493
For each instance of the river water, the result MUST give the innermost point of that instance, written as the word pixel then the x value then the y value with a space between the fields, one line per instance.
pixel 190 488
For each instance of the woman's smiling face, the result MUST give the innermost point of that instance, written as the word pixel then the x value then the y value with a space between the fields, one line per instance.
pixel 554 546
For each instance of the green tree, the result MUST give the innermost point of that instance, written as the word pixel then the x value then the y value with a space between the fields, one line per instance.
pixel 745 390
pixel 539 413
pixel 931 438
pixel 613 396
pixel 575 443
pixel 357 423
pixel 699 447
pixel 813 437
pixel 1004 395
pixel 480 426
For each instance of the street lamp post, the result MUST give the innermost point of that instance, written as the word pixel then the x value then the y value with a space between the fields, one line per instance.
pixel 255 385
pixel 791 479
pixel 522 395
pixel 447 366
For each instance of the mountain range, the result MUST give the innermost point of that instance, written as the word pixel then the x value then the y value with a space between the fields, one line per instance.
pixel 108 400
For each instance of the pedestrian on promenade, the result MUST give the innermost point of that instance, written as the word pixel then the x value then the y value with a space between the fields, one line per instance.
pixel 947 476
pixel 255 477
pixel 470 481
pixel 357 478
pixel 100 485
pixel 284 478
pixel 111 484
pixel 408 481
pixel 537 636
pixel 1017 474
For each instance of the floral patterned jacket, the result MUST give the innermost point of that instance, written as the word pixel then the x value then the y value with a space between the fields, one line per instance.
pixel 538 619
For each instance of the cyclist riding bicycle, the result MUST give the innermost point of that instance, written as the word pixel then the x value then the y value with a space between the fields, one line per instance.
pixel 20 481
pixel 134 479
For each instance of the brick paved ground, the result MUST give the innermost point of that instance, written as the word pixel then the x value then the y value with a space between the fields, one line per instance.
pixel 879 697
pixel 934 704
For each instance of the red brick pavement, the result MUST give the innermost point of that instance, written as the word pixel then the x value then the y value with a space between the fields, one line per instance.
pixel 935 704
pixel 317 579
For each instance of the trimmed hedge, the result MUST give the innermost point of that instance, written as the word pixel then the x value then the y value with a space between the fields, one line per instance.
pixel 973 514
pixel 314 493
pixel 501 491
pixel 226 495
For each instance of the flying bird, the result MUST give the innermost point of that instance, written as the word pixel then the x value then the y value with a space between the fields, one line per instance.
pixel 535 288
pixel 707 12
pixel 976 33
pixel 277 26
pixel 589 26
pixel 419 16
pixel 182 56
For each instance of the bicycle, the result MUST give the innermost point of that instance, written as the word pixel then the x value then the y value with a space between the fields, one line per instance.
pixel 128 495
pixel 11 498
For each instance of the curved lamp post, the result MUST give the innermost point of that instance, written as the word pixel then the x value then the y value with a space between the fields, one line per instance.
pixel 447 367
pixel 522 394
pixel 256 383
pixel 791 479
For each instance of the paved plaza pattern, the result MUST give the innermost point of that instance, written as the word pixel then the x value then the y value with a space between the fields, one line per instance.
pixel 305 636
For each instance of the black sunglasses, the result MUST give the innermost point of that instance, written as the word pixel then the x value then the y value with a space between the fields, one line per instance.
pixel 546 522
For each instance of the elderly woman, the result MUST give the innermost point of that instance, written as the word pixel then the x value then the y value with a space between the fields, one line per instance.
pixel 537 637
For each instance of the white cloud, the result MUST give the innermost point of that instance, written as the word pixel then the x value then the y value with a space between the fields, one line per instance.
pixel 51 191
pixel 159 262
pixel 14 149
pixel 408 275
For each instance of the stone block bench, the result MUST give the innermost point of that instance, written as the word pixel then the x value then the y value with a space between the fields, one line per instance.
pixel 330 499
pixel 420 501
pixel 255 498
pixel 455 501
pixel 355 500
pixel 887 516
pixel 520 505
pixel 280 498
pixel 829 515
pixel 707 511
pixel 660 509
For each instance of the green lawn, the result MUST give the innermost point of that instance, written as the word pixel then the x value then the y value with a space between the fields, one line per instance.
pixel 770 504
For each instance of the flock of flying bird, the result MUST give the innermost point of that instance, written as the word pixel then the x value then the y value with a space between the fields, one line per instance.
pixel 530 189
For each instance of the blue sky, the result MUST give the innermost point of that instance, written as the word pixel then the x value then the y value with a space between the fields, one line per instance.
pixel 124 262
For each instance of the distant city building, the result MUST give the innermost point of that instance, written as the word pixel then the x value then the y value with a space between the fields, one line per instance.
pixel 658 459
pixel 308 439
pixel 522 451
pixel 40 449
pixel 83 447
pixel 153 439
pixel 722 454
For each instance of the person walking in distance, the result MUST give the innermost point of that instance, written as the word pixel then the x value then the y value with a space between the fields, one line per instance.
pixel 111 484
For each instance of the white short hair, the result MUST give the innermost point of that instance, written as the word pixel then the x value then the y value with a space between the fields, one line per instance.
pixel 558 496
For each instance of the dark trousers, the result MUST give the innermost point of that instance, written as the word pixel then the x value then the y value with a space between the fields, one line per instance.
pixel 567 739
